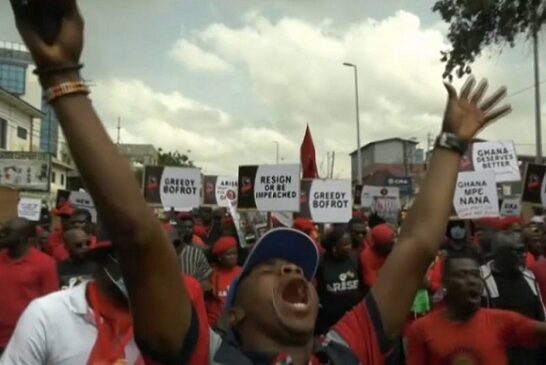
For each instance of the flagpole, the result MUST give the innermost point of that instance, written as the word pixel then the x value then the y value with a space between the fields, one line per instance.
pixel 358 151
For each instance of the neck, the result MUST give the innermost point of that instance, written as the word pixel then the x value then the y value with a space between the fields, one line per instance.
pixel 300 354
pixel 457 314
pixel 20 250
pixel 107 288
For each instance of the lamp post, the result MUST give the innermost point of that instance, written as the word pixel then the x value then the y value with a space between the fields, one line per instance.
pixel 358 152
pixel 276 151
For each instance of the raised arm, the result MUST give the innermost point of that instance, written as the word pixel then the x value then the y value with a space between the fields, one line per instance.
pixel 159 301
pixel 424 227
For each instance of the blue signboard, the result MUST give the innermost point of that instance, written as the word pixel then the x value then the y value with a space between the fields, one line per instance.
pixel 405 184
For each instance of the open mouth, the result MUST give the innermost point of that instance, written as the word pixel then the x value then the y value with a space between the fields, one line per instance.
pixel 295 295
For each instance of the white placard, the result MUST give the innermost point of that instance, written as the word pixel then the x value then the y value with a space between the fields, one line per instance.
pixel 476 195
pixel 277 188
pixel 330 201
pixel 284 218
pixel 499 156
pixel 29 208
pixel 226 191
pixel 180 187
pixel 82 200
pixel 370 194
pixel 511 207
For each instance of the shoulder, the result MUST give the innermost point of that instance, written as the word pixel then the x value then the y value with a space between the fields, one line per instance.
pixel 431 319
pixel 41 258
pixel 52 307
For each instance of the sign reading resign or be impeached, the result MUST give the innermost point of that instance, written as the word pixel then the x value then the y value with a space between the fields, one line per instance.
pixel 269 188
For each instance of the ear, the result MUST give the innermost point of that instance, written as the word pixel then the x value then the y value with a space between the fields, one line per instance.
pixel 236 315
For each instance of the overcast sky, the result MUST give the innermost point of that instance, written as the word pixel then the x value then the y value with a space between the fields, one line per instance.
pixel 225 79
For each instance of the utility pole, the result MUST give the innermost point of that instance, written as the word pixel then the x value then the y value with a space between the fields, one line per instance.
pixel 333 164
pixel 405 152
pixel 119 130
pixel 538 122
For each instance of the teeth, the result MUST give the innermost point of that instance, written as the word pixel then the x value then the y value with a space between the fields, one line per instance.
pixel 300 305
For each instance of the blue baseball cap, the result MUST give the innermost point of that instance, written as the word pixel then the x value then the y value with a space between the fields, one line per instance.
pixel 281 243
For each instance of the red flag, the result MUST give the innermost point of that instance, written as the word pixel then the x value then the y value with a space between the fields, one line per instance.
pixel 307 156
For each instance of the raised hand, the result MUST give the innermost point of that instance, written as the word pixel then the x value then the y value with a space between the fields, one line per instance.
pixel 51 29
pixel 467 114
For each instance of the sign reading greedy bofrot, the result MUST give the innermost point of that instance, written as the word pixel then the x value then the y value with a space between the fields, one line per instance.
pixel 269 188
pixel 176 187
pixel 326 201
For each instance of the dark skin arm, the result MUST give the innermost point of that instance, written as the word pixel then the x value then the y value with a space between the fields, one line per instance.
pixel 147 257
pixel 424 228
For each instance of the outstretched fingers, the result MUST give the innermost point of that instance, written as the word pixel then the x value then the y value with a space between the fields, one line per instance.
pixel 494 99
pixel 467 87
pixel 498 113
pixel 480 91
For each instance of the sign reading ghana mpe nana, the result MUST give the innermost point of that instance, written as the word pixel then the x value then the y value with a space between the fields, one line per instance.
pixel 173 187
pixel 326 201
pixel 476 195
pixel 269 188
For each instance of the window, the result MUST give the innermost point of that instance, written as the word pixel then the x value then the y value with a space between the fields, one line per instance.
pixel 13 78
pixel 22 133
pixel 3 133
pixel 53 177
pixel 62 179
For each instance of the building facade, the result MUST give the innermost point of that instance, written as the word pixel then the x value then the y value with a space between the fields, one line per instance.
pixel 395 156
pixel 17 124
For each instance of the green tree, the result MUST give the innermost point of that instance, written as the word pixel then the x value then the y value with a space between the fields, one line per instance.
pixel 174 159
pixel 476 24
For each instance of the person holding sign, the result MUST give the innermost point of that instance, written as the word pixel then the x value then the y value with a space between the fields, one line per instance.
pixel 272 306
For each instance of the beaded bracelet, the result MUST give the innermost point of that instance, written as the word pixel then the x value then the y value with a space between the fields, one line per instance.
pixel 57 69
pixel 66 88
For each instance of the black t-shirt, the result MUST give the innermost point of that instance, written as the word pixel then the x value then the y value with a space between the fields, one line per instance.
pixel 71 274
pixel 340 288
pixel 516 295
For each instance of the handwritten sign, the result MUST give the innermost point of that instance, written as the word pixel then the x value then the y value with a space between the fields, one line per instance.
pixel 29 208
pixel 510 207
pixel 476 195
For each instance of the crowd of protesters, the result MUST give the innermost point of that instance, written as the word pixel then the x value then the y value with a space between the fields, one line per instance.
pixel 184 289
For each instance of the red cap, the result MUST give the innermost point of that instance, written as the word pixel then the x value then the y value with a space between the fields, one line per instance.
pixel 64 210
pixel 383 234
pixel 303 225
pixel 224 244
pixel 200 231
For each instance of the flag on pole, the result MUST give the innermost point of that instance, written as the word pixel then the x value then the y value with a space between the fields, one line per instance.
pixel 307 157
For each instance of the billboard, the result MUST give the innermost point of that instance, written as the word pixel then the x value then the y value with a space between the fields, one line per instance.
pixel 25 170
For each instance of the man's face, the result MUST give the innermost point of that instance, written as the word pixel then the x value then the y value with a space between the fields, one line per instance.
pixel 464 284
pixel 77 243
pixel 185 230
pixel 511 254
pixel 276 299
pixel 78 221
pixel 343 246
pixel 229 258
pixel 13 233
pixel 358 233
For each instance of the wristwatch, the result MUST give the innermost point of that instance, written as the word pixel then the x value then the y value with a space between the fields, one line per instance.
pixel 451 142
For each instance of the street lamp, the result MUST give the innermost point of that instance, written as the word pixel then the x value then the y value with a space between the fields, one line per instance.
pixel 358 152
pixel 276 151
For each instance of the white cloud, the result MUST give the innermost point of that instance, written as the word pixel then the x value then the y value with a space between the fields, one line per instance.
pixel 294 69
pixel 195 58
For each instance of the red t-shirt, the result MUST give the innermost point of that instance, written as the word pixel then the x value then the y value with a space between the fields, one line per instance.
pixel 22 281
pixel 434 340
pixel 361 330
pixel 220 283
pixel 55 246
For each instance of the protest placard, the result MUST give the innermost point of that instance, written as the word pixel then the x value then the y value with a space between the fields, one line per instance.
pixel 173 187
pixel 382 200
pixel 219 190
pixel 476 195
pixel 269 188
pixel 29 208
pixel 510 207
pixel 499 156
pixel 534 185
pixel 326 201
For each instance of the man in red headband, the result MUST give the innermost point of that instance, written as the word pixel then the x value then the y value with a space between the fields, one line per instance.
pixel 224 271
